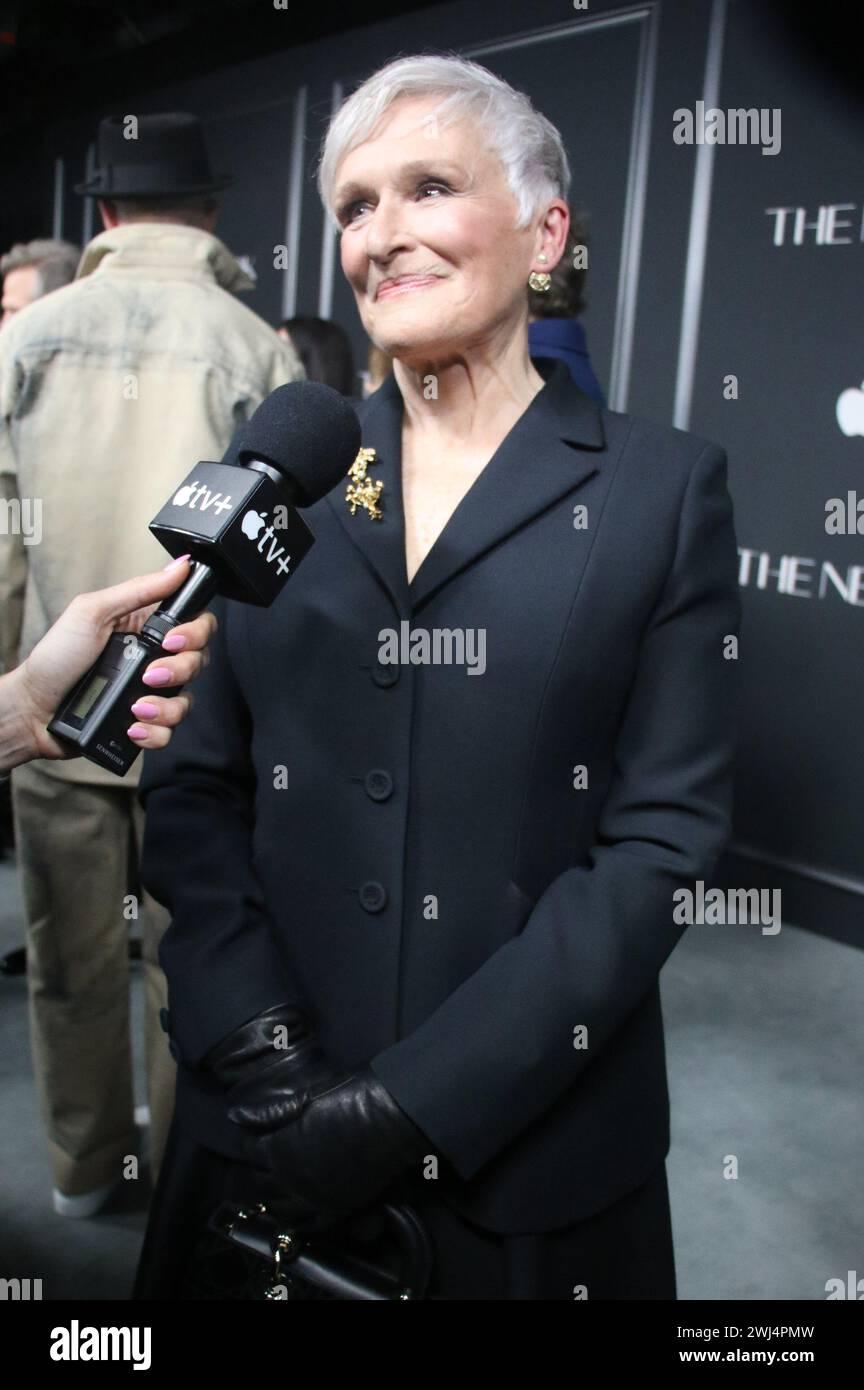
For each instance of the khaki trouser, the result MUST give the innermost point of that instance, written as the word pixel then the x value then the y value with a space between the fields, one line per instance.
pixel 78 850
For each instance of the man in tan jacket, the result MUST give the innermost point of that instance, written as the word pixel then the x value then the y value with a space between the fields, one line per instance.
pixel 110 390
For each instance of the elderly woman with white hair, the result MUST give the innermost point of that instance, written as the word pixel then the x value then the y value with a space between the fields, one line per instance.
pixel 425 835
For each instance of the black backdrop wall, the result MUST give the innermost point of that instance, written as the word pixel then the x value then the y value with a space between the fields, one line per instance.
pixel 724 297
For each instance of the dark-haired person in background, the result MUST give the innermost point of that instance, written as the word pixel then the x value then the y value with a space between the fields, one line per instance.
pixel 553 314
pixel 325 351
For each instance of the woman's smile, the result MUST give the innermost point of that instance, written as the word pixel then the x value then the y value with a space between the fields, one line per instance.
pixel 403 285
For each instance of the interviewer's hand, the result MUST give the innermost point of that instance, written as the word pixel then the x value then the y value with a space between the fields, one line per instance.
pixel 71 646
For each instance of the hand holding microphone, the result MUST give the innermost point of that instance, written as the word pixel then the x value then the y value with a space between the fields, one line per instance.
pixel 299 444
pixel 30 692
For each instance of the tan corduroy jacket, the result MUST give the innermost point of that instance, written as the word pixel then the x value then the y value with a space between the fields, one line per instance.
pixel 111 390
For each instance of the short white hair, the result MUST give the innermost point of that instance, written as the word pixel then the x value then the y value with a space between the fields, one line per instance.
pixel 527 143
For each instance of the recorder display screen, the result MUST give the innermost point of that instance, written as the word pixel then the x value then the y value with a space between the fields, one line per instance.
pixel 89 697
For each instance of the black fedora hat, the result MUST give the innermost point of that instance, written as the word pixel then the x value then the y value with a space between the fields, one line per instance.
pixel 151 157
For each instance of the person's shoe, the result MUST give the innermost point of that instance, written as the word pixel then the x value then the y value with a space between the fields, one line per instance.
pixel 14 962
pixel 84 1204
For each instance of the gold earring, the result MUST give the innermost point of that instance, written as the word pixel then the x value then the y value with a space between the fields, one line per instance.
pixel 539 280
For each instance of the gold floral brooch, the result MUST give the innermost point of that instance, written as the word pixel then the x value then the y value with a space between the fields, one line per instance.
pixel 362 491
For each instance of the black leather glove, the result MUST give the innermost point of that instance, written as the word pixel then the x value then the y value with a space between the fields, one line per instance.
pixel 339 1146
pixel 252 1067
pixel 257 1072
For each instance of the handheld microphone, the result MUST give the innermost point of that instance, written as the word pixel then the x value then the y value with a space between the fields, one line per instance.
pixel 246 539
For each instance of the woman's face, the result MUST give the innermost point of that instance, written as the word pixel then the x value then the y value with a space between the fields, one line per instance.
pixel 433 203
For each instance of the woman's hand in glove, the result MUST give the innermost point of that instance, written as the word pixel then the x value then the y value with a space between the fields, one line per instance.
pixel 338 1146
pixel 257 1063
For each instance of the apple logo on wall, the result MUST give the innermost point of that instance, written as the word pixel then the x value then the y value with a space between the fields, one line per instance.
pixel 850 410
pixel 252 523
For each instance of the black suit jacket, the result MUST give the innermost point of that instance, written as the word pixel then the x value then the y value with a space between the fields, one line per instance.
pixel 406 851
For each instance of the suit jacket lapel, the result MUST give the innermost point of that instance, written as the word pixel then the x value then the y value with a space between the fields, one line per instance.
pixel 554 447
pixel 382 541
pixel 535 464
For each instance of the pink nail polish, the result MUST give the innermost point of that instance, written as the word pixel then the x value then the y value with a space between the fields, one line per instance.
pixel 178 561
pixel 137 731
pixel 175 642
pixel 144 709
pixel 160 675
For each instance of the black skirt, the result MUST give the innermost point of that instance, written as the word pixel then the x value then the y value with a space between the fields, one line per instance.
pixel 622 1252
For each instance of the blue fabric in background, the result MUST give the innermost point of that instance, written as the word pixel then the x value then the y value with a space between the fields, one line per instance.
pixel 565 338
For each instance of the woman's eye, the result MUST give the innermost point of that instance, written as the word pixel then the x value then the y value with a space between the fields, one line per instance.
pixel 347 213
pixel 433 183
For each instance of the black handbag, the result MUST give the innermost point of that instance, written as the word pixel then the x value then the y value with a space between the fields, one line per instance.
pixel 249 1253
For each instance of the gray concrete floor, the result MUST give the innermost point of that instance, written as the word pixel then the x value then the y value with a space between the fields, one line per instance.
pixel 765 1054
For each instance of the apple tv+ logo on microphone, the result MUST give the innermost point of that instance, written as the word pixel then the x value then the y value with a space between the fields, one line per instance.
pixel 251 526
pixel 191 493
pixel 218 510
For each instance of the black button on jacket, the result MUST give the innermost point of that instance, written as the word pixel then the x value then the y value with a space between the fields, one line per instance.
pixel 488 936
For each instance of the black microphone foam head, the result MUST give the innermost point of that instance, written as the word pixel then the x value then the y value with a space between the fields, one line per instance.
pixel 309 432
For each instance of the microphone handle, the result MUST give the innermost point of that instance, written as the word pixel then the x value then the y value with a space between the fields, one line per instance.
pixel 201 586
